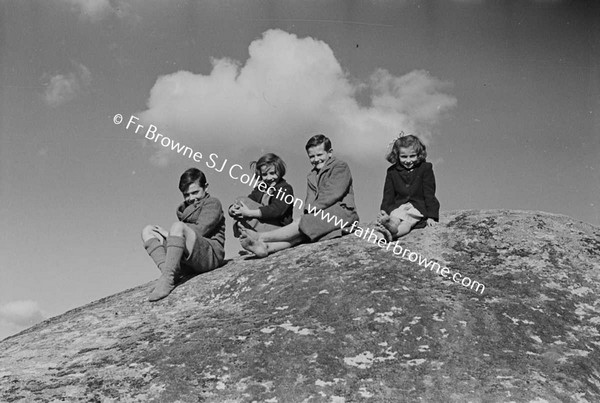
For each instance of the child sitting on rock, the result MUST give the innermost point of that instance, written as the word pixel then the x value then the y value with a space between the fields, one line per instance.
pixel 264 209
pixel 329 194
pixel 409 192
pixel 195 243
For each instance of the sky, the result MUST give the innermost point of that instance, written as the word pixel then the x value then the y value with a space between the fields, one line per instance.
pixel 506 95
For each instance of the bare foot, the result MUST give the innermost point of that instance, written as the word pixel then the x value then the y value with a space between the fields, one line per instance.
pixel 238 229
pixel 383 231
pixel 391 224
pixel 248 233
pixel 250 240
pixel 382 217
pixel 259 248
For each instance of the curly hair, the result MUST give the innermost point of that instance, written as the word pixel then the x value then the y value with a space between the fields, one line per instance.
pixel 393 156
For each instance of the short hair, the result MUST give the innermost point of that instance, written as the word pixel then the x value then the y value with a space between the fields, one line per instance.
pixel 317 140
pixel 266 160
pixel 190 176
pixel 409 140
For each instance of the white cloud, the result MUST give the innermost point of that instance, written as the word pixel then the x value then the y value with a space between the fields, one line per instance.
pixel 289 89
pixel 64 88
pixel 94 10
pixel 98 10
pixel 19 315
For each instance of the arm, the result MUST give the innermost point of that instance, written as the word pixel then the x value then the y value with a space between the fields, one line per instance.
pixel 431 202
pixel 245 211
pixel 276 207
pixel 239 209
pixel 210 217
pixel 389 194
pixel 255 195
pixel 335 187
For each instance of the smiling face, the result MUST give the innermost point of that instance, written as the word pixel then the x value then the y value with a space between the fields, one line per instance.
pixel 318 156
pixel 193 192
pixel 269 175
pixel 408 157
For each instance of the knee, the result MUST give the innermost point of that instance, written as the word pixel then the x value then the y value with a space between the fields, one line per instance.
pixel 177 229
pixel 404 228
pixel 147 233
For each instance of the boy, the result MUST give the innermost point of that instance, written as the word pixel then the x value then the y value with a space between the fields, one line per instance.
pixel 329 188
pixel 195 243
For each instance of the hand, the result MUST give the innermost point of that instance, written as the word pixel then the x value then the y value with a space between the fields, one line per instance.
pixel 243 210
pixel 382 216
pixel 233 211
pixel 160 231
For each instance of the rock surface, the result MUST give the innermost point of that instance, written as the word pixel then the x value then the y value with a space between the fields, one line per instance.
pixel 343 320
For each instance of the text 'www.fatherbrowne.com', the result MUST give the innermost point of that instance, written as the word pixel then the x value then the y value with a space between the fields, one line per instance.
pixel 370 235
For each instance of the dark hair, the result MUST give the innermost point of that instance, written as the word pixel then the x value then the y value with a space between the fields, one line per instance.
pixel 407 141
pixel 190 176
pixel 269 159
pixel 317 140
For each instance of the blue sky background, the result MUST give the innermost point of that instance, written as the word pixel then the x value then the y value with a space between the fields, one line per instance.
pixel 505 93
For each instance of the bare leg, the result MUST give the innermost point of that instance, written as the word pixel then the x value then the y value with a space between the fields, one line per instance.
pixel 273 247
pixel 285 234
pixel 403 229
pixel 255 243
pixel 261 249
pixel 180 229
pixel 153 231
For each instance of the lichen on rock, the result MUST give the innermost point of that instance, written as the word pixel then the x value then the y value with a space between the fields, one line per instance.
pixel 343 320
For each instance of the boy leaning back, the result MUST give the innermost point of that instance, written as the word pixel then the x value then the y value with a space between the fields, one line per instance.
pixel 195 244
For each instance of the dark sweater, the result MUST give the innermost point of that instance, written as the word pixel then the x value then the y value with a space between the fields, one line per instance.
pixel 277 211
pixel 206 218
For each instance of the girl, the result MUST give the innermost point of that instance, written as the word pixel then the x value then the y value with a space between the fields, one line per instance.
pixel 261 210
pixel 409 192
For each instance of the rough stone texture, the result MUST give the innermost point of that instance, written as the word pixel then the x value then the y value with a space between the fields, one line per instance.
pixel 343 320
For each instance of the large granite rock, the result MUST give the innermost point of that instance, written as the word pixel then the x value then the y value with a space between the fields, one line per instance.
pixel 343 320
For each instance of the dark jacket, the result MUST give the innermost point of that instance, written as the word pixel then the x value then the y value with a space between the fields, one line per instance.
pixel 277 211
pixel 416 186
pixel 331 185
pixel 330 191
